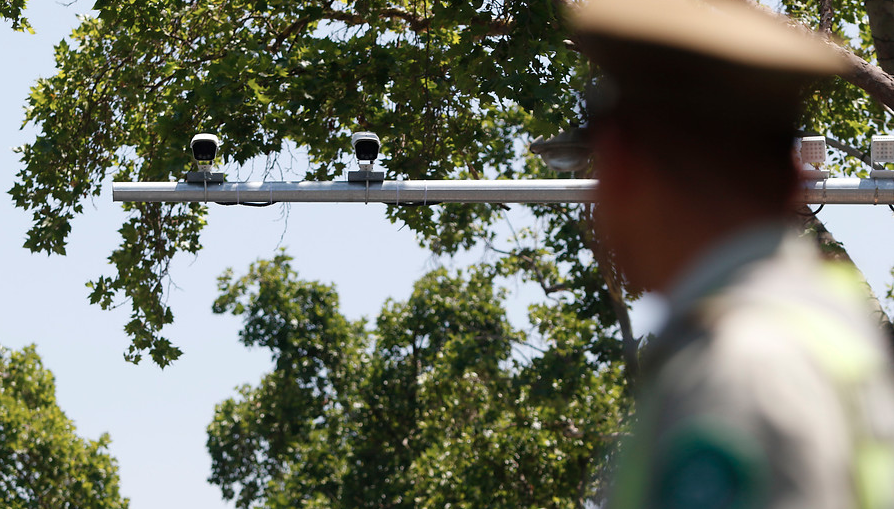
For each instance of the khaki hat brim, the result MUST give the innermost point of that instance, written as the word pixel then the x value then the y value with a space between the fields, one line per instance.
pixel 723 29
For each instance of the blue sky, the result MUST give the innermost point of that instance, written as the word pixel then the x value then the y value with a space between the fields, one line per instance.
pixel 157 418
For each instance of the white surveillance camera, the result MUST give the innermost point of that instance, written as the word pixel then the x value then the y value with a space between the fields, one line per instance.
pixel 204 149
pixel 366 145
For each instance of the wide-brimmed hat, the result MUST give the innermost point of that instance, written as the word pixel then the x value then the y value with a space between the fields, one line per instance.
pixel 726 30
pixel 710 83
pixel 721 69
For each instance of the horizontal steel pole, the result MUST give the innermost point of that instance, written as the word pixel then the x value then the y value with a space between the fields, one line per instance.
pixel 403 191
pixel 830 191
pixel 851 190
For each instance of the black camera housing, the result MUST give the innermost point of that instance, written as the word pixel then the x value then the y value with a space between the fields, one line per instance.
pixel 204 147
pixel 366 145
pixel 204 150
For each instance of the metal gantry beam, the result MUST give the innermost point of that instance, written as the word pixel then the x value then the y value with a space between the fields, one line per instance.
pixel 391 191
pixel 828 191
pixel 849 191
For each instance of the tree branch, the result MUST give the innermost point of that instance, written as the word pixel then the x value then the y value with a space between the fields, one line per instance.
pixel 872 79
pixel 831 249
pixel 531 264
pixel 417 23
pixel 630 345
pixel 297 26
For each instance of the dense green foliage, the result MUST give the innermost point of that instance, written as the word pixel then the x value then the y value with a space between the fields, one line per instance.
pixel 450 86
pixel 43 463
pixel 454 88
pixel 438 406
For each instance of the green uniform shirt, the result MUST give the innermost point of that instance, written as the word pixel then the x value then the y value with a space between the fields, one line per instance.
pixel 769 387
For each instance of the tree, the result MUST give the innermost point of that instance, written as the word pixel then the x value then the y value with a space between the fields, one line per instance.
pixel 437 405
pixel 43 463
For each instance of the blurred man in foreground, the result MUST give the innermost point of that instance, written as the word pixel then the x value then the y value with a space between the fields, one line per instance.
pixel 769 385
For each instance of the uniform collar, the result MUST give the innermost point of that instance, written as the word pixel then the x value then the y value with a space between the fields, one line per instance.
pixel 719 264
pixel 716 268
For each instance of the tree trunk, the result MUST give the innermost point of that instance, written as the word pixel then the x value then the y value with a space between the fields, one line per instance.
pixel 881 21
pixel 871 78
pixel 831 249
pixel 630 345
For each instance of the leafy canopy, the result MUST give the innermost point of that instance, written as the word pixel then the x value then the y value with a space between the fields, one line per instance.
pixel 438 405
pixel 453 88
pixel 450 87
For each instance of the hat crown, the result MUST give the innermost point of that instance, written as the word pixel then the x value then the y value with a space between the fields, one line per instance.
pixel 729 30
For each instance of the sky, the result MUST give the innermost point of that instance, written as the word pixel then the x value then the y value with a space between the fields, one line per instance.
pixel 157 418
